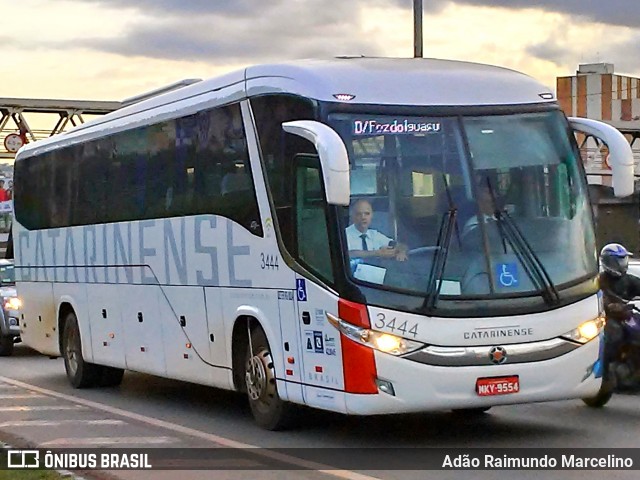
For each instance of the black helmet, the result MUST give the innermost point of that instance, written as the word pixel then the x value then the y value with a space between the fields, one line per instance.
pixel 614 259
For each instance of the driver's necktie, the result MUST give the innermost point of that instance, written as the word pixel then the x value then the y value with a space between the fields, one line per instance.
pixel 364 241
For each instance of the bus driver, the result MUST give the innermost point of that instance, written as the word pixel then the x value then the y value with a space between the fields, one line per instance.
pixel 364 242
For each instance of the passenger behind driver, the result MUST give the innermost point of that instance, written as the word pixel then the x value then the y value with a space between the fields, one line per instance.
pixel 365 242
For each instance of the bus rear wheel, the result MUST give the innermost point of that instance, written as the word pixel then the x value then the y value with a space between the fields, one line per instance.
pixel 81 374
pixel 269 410
pixel 110 376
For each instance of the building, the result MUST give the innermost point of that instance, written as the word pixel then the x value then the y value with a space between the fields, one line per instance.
pixel 597 92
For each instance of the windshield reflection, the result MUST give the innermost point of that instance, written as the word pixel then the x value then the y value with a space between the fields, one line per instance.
pixel 415 175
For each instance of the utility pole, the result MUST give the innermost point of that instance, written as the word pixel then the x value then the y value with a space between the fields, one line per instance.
pixel 417 28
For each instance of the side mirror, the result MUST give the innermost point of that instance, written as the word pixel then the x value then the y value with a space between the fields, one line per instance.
pixel 620 154
pixel 334 160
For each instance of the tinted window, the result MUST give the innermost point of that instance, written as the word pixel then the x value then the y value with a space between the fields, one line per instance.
pixel 278 150
pixel 312 237
pixel 190 165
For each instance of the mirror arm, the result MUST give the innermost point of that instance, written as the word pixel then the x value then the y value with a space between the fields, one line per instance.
pixel 620 153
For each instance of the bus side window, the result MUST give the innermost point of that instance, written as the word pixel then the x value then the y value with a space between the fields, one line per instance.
pixel 33 195
pixel 312 237
pixel 278 149
pixel 222 176
pixel 91 204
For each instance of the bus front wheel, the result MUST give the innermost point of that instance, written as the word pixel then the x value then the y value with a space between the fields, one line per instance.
pixel 471 412
pixel 81 374
pixel 268 409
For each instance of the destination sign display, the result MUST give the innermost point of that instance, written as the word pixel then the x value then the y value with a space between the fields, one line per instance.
pixel 394 126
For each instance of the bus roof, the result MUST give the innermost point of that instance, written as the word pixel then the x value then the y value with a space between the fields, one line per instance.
pixel 402 81
pixel 375 81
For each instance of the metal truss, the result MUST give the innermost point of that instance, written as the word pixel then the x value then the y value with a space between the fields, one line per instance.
pixel 64 114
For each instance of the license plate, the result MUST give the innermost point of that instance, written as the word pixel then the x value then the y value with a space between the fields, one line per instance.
pixel 497 385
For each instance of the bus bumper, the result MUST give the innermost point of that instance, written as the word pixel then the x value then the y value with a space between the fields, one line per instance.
pixel 418 387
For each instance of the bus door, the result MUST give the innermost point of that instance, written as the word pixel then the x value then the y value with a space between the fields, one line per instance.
pixel 105 318
pixel 321 355
pixel 142 327
pixel 322 362
pixel 291 351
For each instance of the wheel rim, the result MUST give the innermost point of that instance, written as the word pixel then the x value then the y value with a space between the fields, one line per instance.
pixel 260 378
pixel 72 352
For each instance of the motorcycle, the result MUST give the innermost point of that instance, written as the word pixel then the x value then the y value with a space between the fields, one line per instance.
pixel 621 370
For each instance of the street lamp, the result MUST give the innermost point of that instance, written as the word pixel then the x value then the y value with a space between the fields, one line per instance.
pixel 417 28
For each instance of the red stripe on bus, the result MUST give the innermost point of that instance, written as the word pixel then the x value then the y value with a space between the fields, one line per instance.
pixel 358 361
pixel 353 313
pixel 359 366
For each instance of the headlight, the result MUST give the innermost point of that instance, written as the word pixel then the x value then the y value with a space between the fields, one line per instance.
pixel 384 342
pixel 587 331
pixel 12 303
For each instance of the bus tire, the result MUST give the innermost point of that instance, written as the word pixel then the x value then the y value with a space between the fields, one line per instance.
pixel 81 374
pixel 110 376
pixel 6 346
pixel 269 410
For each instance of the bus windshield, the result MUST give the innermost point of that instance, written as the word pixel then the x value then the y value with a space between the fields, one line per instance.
pixel 468 206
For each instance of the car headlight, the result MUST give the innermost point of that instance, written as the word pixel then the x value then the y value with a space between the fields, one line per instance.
pixel 12 303
pixel 586 331
pixel 384 342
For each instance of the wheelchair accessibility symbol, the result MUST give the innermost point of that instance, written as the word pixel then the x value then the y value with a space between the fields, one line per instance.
pixel 301 289
pixel 507 274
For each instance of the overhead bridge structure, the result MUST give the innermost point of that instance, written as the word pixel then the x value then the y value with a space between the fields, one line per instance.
pixel 18 115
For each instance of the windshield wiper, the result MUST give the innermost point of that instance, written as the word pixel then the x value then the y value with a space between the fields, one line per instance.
pixel 445 234
pixel 532 264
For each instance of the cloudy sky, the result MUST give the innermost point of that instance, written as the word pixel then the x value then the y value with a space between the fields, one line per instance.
pixel 113 49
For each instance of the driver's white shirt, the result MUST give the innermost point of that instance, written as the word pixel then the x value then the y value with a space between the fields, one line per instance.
pixel 374 239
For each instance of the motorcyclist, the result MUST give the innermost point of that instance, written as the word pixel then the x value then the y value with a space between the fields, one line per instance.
pixel 618 288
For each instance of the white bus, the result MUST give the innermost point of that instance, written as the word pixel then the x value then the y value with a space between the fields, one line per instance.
pixel 201 235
